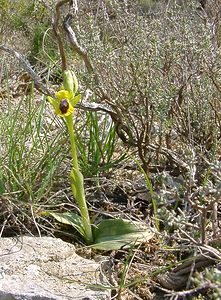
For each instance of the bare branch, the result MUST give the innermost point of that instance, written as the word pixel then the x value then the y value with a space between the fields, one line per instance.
pixel 74 6
pixel 177 279
pixel 206 286
pixel 55 25
pixel 28 68
pixel 75 45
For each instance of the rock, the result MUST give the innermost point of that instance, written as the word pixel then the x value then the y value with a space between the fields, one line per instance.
pixel 44 268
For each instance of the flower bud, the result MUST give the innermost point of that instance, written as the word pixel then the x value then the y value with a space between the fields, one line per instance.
pixel 70 82
pixel 75 82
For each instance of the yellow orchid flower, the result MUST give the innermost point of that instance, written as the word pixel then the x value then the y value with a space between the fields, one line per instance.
pixel 64 103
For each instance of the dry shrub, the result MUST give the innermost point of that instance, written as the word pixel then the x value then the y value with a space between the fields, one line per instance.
pixel 161 72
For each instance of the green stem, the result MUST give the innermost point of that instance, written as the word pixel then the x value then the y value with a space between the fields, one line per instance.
pixel 77 183
pixel 149 185
pixel 70 126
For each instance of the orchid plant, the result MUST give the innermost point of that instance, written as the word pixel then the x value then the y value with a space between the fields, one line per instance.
pixel 64 103
pixel 107 234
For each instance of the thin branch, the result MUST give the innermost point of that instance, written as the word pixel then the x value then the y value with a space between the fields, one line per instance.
pixel 201 289
pixel 55 25
pixel 75 45
pixel 28 68
pixel 74 6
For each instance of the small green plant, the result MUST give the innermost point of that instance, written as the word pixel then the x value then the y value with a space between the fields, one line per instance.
pixel 96 142
pixel 209 280
pixel 2 185
pixel 16 12
pixel 25 138
pixel 38 34
pixel 150 187
pixel 110 233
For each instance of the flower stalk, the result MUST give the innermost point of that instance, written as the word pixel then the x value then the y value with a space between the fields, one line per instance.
pixel 77 184
pixel 69 122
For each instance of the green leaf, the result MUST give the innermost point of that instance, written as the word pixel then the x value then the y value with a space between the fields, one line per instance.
pixel 112 234
pixel 69 218
pixel 2 185
pixel 77 183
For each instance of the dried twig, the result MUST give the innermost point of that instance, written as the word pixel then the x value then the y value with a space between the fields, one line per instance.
pixel 75 45
pixel 28 68
pixel 206 286
pixel 55 25
pixel 177 279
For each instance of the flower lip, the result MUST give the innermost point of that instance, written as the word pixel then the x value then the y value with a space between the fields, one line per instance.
pixel 64 106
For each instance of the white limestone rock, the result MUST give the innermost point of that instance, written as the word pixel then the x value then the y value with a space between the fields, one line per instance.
pixel 44 268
